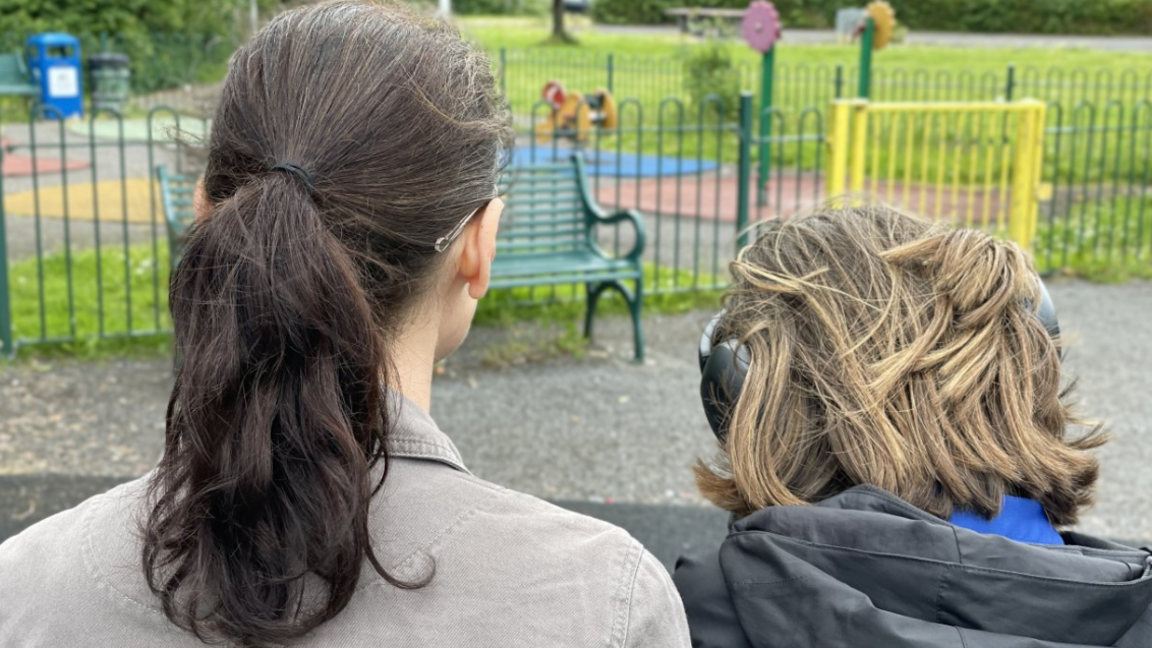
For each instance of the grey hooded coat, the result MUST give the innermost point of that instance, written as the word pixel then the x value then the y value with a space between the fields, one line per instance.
pixel 867 569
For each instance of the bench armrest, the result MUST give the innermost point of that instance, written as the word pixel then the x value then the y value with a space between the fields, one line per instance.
pixel 602 218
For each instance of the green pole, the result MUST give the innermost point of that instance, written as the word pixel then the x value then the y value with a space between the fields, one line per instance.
pixel 611 72
pixel 767 69
pixel 504 72
pixel 744 170
pixel 866 60
pixel 7 348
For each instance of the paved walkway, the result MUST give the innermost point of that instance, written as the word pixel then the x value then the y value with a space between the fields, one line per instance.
pixel 596 432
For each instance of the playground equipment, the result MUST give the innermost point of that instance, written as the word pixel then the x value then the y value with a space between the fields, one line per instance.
pixel 762 29
pixel 575 114
pixel 878 26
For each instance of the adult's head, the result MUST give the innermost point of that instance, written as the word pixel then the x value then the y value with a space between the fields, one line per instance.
pixel 893 352
pixel 350 217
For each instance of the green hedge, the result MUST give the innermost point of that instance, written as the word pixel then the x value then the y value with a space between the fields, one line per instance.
pixel 1019 16
pixel 169 43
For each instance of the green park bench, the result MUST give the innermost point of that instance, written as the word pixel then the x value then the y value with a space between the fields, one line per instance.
pixel 176 198
pixel 547 236
pixel 14 78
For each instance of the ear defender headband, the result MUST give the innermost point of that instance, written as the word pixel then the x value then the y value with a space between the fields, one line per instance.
pixel 724 365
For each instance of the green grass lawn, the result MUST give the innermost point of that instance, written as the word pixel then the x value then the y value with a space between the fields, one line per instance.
pixel 658 116
pixel 1105 241
pixel 49 302
pixel 649 67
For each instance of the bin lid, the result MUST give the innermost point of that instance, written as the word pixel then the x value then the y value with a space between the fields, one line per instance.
pixel 108 59
pixel 53 38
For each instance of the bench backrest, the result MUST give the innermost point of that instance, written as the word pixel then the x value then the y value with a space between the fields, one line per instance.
pixel 544 209
pixel 176 197
pixel 12 70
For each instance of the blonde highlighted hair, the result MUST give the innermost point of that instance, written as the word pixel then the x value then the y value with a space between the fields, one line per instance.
pixel 898 353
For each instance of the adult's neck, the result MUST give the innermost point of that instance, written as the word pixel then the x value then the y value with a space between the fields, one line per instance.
pixel 413 355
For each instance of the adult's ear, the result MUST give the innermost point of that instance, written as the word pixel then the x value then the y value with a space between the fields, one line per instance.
pixel 479 248
pixel 201 206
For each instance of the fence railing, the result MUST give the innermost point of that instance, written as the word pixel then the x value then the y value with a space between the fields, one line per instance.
pixel 650 79
pixel 82 237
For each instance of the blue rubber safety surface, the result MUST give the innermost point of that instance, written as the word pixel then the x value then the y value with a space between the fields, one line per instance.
pixel 608 164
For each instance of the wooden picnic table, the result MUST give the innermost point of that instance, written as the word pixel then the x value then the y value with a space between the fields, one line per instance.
pixel 687 17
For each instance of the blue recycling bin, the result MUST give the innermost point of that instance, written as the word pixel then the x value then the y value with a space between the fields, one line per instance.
pixel 54 60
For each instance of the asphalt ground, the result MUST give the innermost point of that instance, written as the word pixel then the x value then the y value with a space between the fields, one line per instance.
pixel 596 433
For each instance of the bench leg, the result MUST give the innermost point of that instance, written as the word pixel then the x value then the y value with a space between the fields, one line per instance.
pixel 635 301
pixel 594 291
pixel 635 305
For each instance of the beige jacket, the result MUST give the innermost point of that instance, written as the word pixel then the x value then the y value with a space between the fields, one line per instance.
pixel 511 570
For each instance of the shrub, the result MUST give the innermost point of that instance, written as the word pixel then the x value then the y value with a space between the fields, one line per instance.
pixel 710 74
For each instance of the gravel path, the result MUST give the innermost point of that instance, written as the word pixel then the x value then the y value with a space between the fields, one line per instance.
pixel 595 428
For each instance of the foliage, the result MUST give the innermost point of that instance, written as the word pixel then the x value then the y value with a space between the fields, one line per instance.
pixel 1012 16
pixel 168 43
pixel 712 80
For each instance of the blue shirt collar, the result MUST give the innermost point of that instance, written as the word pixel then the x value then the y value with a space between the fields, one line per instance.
pixel 1020 519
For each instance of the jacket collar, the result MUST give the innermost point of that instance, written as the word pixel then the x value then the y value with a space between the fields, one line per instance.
pixel 414 435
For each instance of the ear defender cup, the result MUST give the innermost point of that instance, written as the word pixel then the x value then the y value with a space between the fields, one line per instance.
pixel 724 365
pixel 723 368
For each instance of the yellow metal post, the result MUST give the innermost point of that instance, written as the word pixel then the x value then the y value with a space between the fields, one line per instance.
pixel 838 155
pixel 859 147
pixel 1026 174
pixel 1040 123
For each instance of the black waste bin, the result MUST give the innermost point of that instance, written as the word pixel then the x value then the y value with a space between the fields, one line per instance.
pixel 109 75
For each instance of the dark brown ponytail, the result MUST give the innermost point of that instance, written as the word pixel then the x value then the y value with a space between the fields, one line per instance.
pixel 285 302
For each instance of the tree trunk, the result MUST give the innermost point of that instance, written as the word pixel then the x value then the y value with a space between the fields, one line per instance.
pixel 559 36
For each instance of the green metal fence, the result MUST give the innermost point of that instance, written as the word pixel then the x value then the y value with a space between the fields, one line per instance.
pixel 82 240
pixel 83 253
pixel 649 80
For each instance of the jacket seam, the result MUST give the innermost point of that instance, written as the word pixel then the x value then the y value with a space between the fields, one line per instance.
pixel 959 553
pixel 939 594
pixel 625 614
pixel 97 576
pixel 960 633
pixel 427 549
pixel 975 568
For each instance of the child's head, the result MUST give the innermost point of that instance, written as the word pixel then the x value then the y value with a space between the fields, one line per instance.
pixel 892 352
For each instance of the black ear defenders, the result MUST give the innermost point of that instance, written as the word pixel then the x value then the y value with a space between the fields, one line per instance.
pixel 724 365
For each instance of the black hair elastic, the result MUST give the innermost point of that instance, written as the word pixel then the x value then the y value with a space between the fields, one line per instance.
pixel 299 172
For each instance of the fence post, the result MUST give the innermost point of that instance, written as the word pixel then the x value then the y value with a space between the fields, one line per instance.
pixel 839 80
pixel 865 88
pixel 7 348
pixel 1010 86
pixel 611 72
pixel 838 156
pixel 744 170
pixel 859 146
pixel 1025 174
pixel 504 72
pixel 767 72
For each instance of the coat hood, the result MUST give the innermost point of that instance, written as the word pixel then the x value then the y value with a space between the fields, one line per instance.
pixel 865 568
